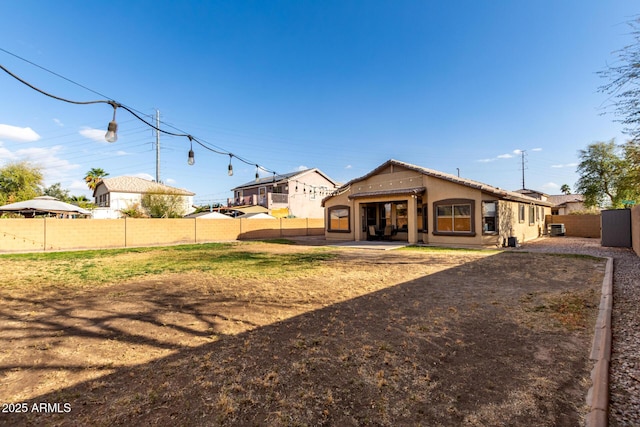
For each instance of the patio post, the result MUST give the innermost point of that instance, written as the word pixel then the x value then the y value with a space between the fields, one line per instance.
pixel 357 221
pixel 412 219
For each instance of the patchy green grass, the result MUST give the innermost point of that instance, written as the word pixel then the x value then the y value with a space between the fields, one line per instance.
pixel 97 267
pixel 280 241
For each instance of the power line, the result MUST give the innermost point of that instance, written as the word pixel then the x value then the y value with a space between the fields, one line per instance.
pixel 113 126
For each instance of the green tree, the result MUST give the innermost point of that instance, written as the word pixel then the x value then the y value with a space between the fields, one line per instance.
pixel 624 84
pixel 604 175
pixel 81 201
pixel 56 190
pixel 134 210
pixel 94 176
pixel 163 205
pixel 565 189
pixel 623 87
pixel 632 155
pixel 19 181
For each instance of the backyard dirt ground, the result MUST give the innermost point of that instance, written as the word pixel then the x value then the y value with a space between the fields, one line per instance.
pixel 357 337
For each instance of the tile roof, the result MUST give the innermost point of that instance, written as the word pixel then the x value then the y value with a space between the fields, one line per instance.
pixel 282 177
pixel 132 184
pixel 561 199
pixel 498 192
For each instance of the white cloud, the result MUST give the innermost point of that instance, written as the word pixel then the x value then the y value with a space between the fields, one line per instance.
pixel 121 153
pixel 94 134
pixel 19 134
pixel 144 176
pixel 54 169
pixel 567 165
pixel 5 155
pixel 170 181
pixel 78 185
pixel 536 149
pixel 302 168
pixel 550 186
pixel 58 122
pixel 348 167
pixel 499 157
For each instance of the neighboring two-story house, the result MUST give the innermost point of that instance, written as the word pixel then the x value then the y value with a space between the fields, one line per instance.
pixel 296 194
pixel 112 195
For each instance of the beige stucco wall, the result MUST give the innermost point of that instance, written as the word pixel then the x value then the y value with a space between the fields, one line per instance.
pixel 437 189
pixel 510 225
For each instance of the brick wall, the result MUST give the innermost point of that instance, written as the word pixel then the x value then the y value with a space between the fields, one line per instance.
pixel 37 234
pixel 22 234
pixel 635 229
pixel 577 225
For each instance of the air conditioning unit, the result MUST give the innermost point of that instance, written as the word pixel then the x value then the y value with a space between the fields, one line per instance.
pixel 556 229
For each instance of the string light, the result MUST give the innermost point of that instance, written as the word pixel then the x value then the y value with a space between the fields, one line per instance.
pixel 112 136
pixel 191 159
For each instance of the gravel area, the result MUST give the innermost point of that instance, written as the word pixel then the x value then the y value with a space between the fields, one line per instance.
pixel 624 370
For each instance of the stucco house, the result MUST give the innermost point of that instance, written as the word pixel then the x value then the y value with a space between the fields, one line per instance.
pixel 401 201
pixel 298 194
pixel 564 204
pixel 112 195
pixel 533 193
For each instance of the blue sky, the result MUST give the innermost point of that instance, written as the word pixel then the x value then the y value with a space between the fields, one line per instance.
pixel 338 85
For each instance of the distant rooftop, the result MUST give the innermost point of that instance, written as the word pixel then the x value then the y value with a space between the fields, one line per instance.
pixel 562 199
pixel 132 184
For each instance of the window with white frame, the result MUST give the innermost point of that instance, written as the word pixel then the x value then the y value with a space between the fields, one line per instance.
pixel 532 214
pixel 489 214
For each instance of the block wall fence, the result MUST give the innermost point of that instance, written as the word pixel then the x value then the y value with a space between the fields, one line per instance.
pixel 53 234
pixel 578 225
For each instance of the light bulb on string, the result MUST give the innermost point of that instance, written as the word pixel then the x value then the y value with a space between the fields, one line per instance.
pixel 230 168
pixel 191 160
pixel 112 129
pixel 257 174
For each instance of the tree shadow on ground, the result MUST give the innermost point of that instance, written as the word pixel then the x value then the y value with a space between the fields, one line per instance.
pixel 475 344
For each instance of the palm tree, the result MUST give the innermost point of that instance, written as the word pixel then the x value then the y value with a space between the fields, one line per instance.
pixel 81 201
pixel 565 189
pixel 94 176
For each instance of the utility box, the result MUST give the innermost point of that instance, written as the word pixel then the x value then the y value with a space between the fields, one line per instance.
pixel 556 230
pixel 512 242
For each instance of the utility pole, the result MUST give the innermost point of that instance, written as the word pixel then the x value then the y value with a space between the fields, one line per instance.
pixel 523 152
pixel 157 146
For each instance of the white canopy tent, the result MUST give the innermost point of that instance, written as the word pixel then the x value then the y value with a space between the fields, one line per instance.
pixel 44 205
